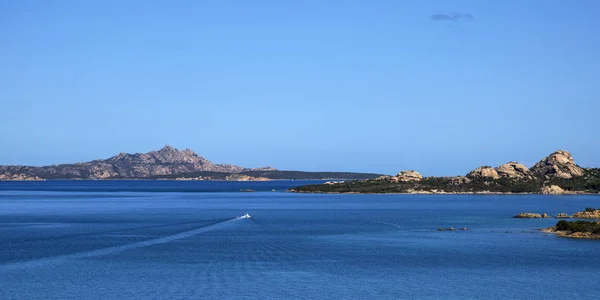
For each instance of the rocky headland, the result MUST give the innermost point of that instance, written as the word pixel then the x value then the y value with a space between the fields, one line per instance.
pixel 556 174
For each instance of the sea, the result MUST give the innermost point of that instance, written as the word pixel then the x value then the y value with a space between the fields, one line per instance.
pixel 188 240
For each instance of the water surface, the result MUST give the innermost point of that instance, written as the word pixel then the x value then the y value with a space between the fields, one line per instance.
pixel 181 240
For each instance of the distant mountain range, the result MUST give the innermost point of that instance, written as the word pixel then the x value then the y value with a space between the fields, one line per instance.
pixel 166 163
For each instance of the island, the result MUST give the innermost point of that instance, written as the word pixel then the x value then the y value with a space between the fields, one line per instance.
pixel 576 229
pixel 167 163
pixel 556 174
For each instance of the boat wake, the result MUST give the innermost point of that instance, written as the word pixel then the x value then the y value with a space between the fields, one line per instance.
pixel 386 223
pixel 116 249
pixel 246 216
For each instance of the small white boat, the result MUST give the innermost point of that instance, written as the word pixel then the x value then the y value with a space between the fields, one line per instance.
pixel 246 216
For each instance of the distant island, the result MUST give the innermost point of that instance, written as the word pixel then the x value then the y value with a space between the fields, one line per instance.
pixel 579 228
pixel 576 229
pixel 556 174
pixel 573 229
pixel 167 163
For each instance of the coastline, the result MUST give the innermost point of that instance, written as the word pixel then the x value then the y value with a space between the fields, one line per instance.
pixel 573 235
pixel 165 179
pixel 444 193
pixel 556 174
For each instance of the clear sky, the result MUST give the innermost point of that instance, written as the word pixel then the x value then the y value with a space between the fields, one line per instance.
pixel 437 86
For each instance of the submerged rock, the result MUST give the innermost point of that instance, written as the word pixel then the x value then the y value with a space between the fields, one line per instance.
pixel 447 229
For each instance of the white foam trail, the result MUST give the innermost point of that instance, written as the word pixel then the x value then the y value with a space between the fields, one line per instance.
pixel 386 223
pixel 116 249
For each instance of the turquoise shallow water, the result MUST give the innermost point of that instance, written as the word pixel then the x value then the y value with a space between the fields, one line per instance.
pixel 174 240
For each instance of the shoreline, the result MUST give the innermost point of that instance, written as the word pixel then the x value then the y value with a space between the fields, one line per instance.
pixel 573 235
pixel 166 179
pixel 443 193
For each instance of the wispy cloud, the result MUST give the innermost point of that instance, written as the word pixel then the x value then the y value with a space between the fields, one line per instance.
pixel 452 17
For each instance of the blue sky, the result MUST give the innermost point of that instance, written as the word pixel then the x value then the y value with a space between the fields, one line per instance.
pixel 375 86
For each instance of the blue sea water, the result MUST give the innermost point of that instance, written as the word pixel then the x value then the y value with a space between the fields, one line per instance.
pixel 182 240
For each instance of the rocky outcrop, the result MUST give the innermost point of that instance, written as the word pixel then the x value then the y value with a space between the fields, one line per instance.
pixel 164 162
pixel 552 190
pixel 589 213
pixel 458 180
pixel 514 170
pixel 408 175
pixel 528 216
pixel 383 178
pixel 484 172
pixel 559 164
pixel 403 176
pixel 19 177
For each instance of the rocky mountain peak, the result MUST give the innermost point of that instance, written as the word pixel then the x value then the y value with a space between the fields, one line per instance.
pixel 559 164
pixel 172 155
pixel 484 171
pixel 166 150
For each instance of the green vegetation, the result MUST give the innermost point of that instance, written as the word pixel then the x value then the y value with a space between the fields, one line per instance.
pixel 589 183
pixel 444 184
pixel 578 226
